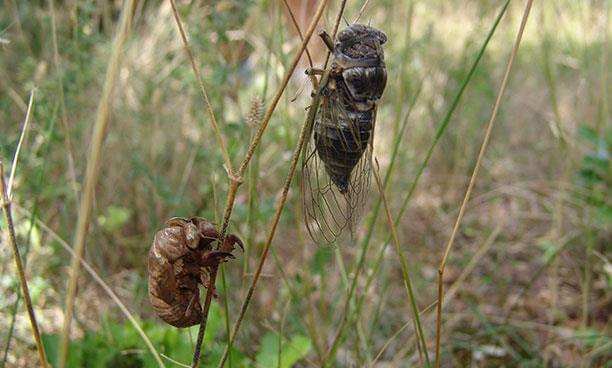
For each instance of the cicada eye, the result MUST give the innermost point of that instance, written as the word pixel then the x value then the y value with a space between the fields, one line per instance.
pixel 381 36
pixel 192 235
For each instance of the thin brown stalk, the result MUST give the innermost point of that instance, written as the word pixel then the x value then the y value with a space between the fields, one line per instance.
pixel 196 71
pixel 299 31
pixel 404 265
pixel 92 172
pixel 304 135
pixel 126 312
pixel 64 116
pixel 468 192
pixel 272 107
pixel 10 232
pixel 236 178
pixel 24 130
pixel 361 10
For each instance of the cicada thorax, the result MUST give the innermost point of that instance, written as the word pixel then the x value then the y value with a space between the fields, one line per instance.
pixel 343 132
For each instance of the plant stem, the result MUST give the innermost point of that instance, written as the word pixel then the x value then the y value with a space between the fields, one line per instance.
pixel 92 172
pixel 10 230
pixel 196 71
pixel 439 132
pixel 404 265
pixel 98 279
pixel 468 192
pixel 236 178
pixel 304 135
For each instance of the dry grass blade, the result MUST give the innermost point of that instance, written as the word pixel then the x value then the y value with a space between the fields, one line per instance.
pixel 196 71
pixel 24 130
pixel 404 265
pixel 236 178
pixel 10 230
pixel 126 312
pixel 92 171
pixel 468 192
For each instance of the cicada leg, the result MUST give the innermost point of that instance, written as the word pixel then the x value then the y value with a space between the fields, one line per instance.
pixel 327 40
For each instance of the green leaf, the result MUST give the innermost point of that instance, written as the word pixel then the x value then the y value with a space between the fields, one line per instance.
pixel 292 352
pixel 322 257
pixel 588 134
pixel 114 218
pixel 51 345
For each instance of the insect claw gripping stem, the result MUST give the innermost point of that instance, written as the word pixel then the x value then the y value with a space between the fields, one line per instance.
pixel 327 40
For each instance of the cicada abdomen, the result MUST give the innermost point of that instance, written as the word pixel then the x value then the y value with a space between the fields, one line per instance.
pixel 337 163
pixel 179 260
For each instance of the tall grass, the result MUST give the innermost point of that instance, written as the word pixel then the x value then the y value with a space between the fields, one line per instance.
pixel 526 277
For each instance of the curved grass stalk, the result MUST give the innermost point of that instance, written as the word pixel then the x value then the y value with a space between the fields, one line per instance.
pixel 468 191
pixel 304 135
pixel 24 130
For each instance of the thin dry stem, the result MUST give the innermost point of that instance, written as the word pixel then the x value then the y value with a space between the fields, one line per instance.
pixel 361 10
pixel 235 179
pixel 10 230
pixel 404 265
pixel 60 82
pixel 304 135
pixel 92 172
pixel 272 107
pixel 126 312
pixel 24 130
pixel 299 31
pixel 196 71
pixel 468 192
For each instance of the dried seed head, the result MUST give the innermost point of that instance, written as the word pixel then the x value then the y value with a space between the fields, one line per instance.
pixel 255 112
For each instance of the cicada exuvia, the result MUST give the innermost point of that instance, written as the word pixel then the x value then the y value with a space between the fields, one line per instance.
pixel 336 167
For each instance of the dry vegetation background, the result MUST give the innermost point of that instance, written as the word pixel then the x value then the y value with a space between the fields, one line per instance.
pixel 528 280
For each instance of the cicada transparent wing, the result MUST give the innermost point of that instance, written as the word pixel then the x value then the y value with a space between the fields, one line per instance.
pixel 336 167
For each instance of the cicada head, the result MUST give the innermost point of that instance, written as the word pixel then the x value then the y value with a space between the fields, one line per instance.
pixel 361 31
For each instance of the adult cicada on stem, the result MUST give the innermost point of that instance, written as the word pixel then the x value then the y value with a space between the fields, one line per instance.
pixel 336 166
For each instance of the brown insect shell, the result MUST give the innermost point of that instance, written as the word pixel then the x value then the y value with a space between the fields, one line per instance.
pixel 175 262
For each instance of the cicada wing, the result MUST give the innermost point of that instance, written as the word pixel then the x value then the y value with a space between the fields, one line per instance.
pixel 328 211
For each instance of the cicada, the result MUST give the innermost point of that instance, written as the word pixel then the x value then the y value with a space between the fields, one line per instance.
pixel 180 260
pixel 336 166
